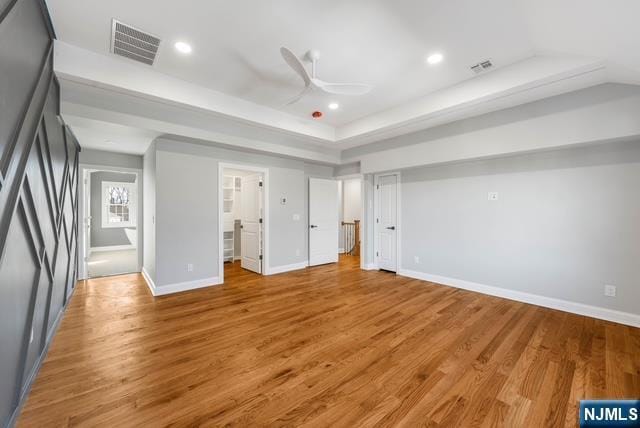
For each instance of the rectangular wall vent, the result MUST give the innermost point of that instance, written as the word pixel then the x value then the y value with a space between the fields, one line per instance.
pixel 482 66
pixel 133 43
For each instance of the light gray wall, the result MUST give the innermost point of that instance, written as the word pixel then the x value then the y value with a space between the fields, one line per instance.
pixel 602 113
pixel 99 157
pixel 186 217
pixel 149 212
pixel 566 223
pixel 105 237
pixel 347 169
pixel 367 226
pixel 286 235
pixel 187 207
pixel 341 214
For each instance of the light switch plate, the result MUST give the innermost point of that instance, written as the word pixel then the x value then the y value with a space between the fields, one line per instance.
pixel 492 196
pixel 296 217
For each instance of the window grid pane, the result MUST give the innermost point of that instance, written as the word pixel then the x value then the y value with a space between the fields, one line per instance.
pixel 117 200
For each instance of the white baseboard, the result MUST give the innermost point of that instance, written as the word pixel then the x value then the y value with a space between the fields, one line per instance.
pixel 286 268
pixel 112 248
pixel 148 280
pixel 369 266
pixel 534 299
pixel 178 287
pixel 340 250
pixel 186 286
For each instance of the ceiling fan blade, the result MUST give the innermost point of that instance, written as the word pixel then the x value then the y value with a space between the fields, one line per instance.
pixel 299 96
pixel 342 88
pixel 296 64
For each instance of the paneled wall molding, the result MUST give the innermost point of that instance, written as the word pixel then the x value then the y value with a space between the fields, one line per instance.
pixel 6 9
pixel 12 167
pixel 38 200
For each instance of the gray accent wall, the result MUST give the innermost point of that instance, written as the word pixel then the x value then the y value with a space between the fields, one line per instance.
pixel 566 223
pixel 38 201
pixel 106 236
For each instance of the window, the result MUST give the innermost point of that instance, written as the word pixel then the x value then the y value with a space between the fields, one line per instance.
pixel 118 204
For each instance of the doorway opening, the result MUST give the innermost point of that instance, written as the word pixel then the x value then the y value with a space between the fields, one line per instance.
pixel 110 244
pixel 243 220
pixel 351 214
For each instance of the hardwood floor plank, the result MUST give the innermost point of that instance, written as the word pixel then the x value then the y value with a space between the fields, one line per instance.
pixel 327 346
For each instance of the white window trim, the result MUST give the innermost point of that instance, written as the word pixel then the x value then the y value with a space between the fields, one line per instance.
pixel 132 205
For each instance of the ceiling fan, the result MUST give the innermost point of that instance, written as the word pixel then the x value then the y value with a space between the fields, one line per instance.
pixel 311 80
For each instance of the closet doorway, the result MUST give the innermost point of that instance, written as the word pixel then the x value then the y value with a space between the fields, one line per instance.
pixel 243 219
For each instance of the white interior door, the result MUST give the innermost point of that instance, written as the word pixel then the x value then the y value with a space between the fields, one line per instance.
pixel 251 223
pixel 387 222
pixel 323 221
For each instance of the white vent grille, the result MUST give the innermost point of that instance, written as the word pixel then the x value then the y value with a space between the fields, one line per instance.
pixel 133 43
pixel 481 66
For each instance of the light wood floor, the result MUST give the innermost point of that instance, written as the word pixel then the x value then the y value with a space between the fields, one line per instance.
pixel 328 346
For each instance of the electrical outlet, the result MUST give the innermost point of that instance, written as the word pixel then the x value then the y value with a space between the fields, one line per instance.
pixel 610 290
pixel 492 196
pixel 190 267
pixel 416 260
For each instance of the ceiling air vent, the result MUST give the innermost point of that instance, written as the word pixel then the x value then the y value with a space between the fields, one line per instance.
pixel 482 66
pixel 132 43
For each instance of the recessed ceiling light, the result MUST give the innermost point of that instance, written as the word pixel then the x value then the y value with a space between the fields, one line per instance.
pixel 183 47
pixel 334 106
pixel 435 58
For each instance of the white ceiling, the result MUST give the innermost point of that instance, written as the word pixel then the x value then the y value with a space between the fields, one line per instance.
pixel 607 30
pixel 543 47
pixel 236 44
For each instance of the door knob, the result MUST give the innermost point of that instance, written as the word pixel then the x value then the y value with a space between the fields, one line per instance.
pixel 313 226
pixel 391 228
